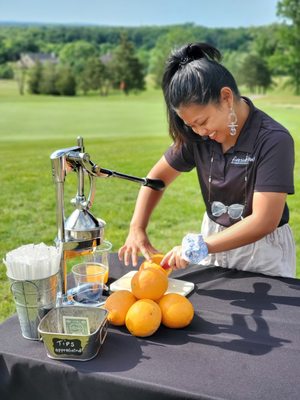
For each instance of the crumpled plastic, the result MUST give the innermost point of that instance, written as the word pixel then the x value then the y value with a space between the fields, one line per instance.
pixel 194 248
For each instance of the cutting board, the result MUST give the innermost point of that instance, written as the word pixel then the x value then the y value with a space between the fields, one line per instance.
pixel 175 285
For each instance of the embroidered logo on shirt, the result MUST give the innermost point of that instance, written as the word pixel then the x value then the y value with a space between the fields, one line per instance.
pixel 242 161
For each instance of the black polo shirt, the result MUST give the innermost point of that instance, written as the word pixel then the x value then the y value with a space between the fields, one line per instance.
pixel 262 160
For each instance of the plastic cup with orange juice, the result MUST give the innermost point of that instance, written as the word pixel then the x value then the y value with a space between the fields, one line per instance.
pixel 101 255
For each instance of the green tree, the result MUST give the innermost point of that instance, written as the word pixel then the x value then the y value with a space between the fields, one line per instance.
pixel 47 84
pixel 175 38
pixel 20 73
pixel 127 71
pixel 34 78
pixel 233 61
pixel 76 54
pixel 290 38
pixel 15 44
pixel 95 76
pixel 6 71
pixel 255 74
pixel 265 40
pixel 65 82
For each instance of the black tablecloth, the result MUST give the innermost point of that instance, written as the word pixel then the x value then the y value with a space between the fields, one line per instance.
pixel 243 343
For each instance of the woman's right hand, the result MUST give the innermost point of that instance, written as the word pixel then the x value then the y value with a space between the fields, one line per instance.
pixel 137 242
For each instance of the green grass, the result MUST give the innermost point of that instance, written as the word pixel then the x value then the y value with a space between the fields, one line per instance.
pixel 127 134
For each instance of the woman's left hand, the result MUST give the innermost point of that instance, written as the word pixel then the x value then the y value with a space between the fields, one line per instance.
pixel 173 259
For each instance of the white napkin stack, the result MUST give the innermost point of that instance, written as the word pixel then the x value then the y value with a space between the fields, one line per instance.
pixel 32 262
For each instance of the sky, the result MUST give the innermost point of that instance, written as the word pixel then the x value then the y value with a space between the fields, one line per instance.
pixel 209 13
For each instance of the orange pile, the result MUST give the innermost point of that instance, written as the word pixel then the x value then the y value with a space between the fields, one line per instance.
pixel 147 306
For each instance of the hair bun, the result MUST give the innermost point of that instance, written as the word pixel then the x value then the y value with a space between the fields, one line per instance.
pixel 196 51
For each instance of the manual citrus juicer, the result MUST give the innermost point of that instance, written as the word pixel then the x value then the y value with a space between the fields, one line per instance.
pixel 81 232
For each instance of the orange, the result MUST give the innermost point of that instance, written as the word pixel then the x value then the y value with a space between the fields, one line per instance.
pixel 146 264
pixel 157 258
pixel 155 261
pixel 177 310
pixel 150 283
pixel 117 305
pixel 143 318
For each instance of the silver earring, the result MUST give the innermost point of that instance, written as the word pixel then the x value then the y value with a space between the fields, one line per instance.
pixel 232 122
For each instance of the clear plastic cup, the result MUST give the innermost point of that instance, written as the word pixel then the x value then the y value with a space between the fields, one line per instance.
pixel 89 282
pixel 101 255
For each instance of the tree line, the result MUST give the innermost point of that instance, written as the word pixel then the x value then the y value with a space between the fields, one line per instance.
pixel 79 67
pixel 101 58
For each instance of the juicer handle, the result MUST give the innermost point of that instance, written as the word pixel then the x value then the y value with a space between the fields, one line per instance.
pixel 155 184
pixel 84 160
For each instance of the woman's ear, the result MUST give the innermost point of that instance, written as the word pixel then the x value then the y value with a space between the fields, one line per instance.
pixel 226 96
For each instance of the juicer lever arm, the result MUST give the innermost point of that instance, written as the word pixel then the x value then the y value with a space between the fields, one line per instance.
pixel 93 169
pixel 155 184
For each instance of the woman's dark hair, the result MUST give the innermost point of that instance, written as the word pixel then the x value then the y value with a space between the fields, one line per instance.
pixel 193 75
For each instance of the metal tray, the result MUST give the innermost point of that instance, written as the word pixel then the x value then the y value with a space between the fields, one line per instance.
pixel 65 346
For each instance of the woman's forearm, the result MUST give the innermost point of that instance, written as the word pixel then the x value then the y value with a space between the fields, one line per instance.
pixel 238 235
pixel 145 204
pixel 148 198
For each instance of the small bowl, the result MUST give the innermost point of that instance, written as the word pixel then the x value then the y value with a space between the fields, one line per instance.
pixel 70 346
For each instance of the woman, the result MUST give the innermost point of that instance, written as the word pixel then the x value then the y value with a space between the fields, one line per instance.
pixel 244 161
